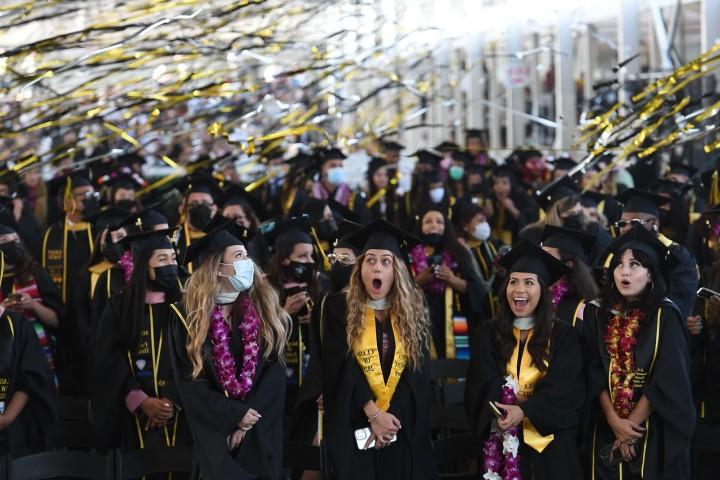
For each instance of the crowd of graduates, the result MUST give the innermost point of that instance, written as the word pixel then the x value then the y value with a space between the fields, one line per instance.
pixel 198 310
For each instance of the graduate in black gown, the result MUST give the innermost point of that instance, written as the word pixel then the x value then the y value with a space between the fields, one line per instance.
pixel 569 293
pixel 67 248
pixel 227 356
pixel 526 347
pixel 26 289
pixel 639 379
pixel 27 393
pixel 376 375
pixel 134 398
pixel 198 209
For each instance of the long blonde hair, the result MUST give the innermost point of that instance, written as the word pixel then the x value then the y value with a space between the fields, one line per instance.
pixel 200 300
pixel 407 307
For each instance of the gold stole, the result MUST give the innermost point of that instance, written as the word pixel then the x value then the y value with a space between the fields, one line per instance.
pixel 527 377
pixel 367 355
pixel 95 272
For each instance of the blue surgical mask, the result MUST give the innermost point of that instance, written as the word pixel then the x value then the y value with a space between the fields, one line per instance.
pixel 456 172
pixel 336 176
pixel 243 278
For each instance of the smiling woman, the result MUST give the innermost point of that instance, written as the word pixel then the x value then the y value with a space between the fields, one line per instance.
pixel 524 384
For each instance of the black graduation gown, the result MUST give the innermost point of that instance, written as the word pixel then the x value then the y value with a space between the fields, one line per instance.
pixel 110 282
pixel 213 416
pixel 554 407
pixel 117 370
pixel 568 308
pixel 502 221
pixel 682 278
pixel 667 387
pixel 469 305
pixel 484 255
pixel 23 367
pixel 346 391
pixel 66 267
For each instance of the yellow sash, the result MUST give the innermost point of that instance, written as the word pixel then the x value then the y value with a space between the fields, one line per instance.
pixel 528 376
pixel 367 355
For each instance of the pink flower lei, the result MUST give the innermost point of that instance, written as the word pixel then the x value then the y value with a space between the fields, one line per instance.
pixel 236 385
pixel 558 290
pixel 420 263
pixel 126 264
pixel 501 460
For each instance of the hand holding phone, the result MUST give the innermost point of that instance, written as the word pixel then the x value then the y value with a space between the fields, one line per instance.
pixel 499 412
pixel 707 294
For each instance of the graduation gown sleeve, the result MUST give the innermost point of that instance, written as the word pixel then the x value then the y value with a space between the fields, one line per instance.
pixel 682 279
pixel 484 380
pixel 22 359
pixel 213 416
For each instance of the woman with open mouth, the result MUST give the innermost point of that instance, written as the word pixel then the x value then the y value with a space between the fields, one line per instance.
pixel 524 386
pixel 639 388
pixel 376 371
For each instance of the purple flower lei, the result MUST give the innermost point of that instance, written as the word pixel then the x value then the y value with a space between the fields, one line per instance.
pixel 126 263
pixel 500 450
pixel 420 263
pixel 558 290
pixel 236 385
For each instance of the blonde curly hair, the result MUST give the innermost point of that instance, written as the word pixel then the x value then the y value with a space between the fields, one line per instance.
pixel 407 307
pixel 200 300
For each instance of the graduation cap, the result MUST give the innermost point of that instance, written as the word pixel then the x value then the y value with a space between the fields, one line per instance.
pixel 142 244
pixel 475 133
pixel 381 235
pixel 126 181
pixel 564 163
pixel 464 210
pixel 217 238
pixel 574 242
pixel 557 190
pixel 670 187
pixel 6 229
pixel 635 200
pixel 461 156
pixel 143 220
pixel 331 153
pixel 236 195
pixel 447 147
pixel 428 157
pixel 391 146
pixel 682 168
pixel 375 164
pixel 506 171
pixel 294 230
pixel 340 210
pixel 129 160
pixel 527 257
pixel 65 184
pixel 202 183
pixel 592 199
pixel 639 238
pixel 346 229
pixel 108 217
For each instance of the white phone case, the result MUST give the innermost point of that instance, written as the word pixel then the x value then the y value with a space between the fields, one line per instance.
pixel 361 436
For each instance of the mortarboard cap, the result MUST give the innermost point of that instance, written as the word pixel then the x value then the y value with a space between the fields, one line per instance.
pixel 682 168
pixel 236 195
pixel 381 235
pixel 142 244
pixel 202 183
pixel 670 187
pixel 475 133
pixel 447 146
pixel 293 231
pixel 391 146
pixel 375 164
pixel 556 190
pixel 107 217
pixel 574 242
pixel 346 229
pixel 564 163
pixel 220 234
pixel 428 157
pixel 639 238
pixel 635 200
pixel 527 257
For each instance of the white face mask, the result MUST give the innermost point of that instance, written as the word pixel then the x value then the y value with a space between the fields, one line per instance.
pixel 336 176
pixel 224 298
pixel 482 231
pixel 243 278
pixel 437 194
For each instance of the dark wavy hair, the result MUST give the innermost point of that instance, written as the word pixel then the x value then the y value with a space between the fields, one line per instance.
pixel 504 340
pixel 580 277
pixel 277 274
pixel 451 244
pixel 653 294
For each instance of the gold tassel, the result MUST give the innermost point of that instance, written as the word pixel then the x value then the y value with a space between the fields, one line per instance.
pixel 715 190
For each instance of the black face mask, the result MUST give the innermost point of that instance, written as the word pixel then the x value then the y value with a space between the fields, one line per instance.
pixel 200 216
pixel 166 278
pixel 126 204
pixel 302 272
pixel 326 230
pixel 476 189
pixel 91 206
pixel 433 239
pixel 112 251
pixel 340 275
pixel 574 222
pixel 13 253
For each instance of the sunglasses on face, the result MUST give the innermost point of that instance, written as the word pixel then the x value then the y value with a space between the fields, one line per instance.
pixel 342 259
pixel 633 222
